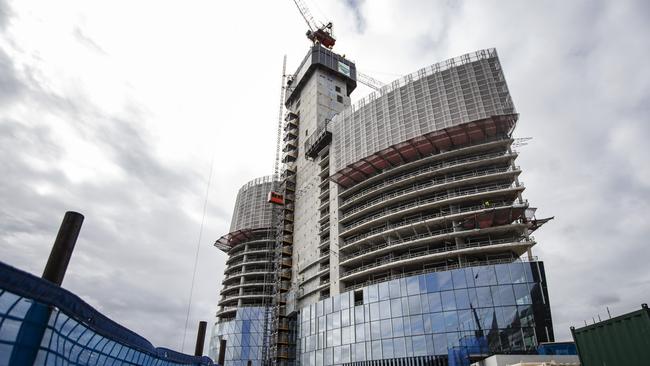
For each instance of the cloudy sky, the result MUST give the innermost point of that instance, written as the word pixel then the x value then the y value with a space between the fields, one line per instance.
pixel 116 109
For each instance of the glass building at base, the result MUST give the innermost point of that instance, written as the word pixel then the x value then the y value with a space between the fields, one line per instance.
pixel 430 318
pixel 244 335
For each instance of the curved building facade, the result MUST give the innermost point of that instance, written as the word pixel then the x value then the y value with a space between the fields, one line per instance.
pixel 430 318
pixel 240 333
pixel 409 234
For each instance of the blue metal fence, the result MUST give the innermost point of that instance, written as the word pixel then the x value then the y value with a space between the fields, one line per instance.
pixel 43 324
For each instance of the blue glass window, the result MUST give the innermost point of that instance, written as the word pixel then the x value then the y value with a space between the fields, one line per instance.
pixel 358 314
pixel 510 316
pixel 526 315
pixel 435 304
pixel 374 311
pixel 440 343
pixel 413 285
pixel 427 323
pixel 484 276
pixel 345 317
pixel 462 299
pixel 517 272
pixel 466 320
pixel 503 274
pixel 327 303
pixel 384 309
pixel 419 346
pixel 522 295
pixel 347 335
pixel 415 305
pixel 437 322
pixel 432 282
pixel 345 300
pixel 337 303
pixel 394 289
pixel 528 270
pixel 384 292
pixel 417 325
pixel 405 305
pixel 360 352
pixel 458 277
pixel 503 295
pixel 376 350
pixel 327 355
pixel 399 347
pixel 337 355
pixel 409 346
pixel 448 300
pixel 398 327
pixel 373 296
pixel 453 340
pixel 451 321
pixel 375 330
pixel 387 348
pixel 336 337
pixel 484 297
pixel 359 333
pixel 396 307
pixel 444 281
pixel 386 329
pixel 345 354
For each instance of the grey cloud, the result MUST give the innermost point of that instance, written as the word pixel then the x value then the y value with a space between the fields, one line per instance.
pixel 10 86
pixel 81 36
pixel 134 257
pixel 360 21
pixel 5 14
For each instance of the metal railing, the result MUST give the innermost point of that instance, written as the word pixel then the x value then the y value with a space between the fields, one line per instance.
pixel 450 249
pixel 431 183
pixel 430 200
pixel 422 171
pixel 442 269
pixel 232 274
pixel 422 218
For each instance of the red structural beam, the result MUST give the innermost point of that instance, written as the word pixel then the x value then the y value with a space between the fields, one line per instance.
pixel 428 144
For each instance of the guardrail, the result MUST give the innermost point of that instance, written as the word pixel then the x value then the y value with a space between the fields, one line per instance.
pixel 75 333
pixel 434 199
pixel 420 186
pixel 442 269
pixel 477 244
pixel 432 168
pixel 421 218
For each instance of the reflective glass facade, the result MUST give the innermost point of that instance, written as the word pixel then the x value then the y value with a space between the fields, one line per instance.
pixel 43 324
pixel 502 307
pixel 244 337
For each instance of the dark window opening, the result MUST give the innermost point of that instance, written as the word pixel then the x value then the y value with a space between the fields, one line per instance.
pixel 338 89
pixel 358 297
pixel 339 99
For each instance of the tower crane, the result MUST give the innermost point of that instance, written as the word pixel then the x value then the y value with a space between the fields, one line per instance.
pixel 323 34
pixel 317 33
pixel 369 81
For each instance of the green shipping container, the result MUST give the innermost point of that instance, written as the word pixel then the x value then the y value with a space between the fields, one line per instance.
pixel 620 341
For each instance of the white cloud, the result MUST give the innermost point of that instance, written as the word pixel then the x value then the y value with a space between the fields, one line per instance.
pixel 115 109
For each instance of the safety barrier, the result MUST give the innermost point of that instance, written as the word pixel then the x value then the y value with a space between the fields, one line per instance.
pixel 43 324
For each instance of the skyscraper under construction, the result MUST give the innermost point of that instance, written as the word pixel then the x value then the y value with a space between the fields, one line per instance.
pixel 396 233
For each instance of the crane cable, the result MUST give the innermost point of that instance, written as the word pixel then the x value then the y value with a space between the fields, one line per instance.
pixel 198 247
